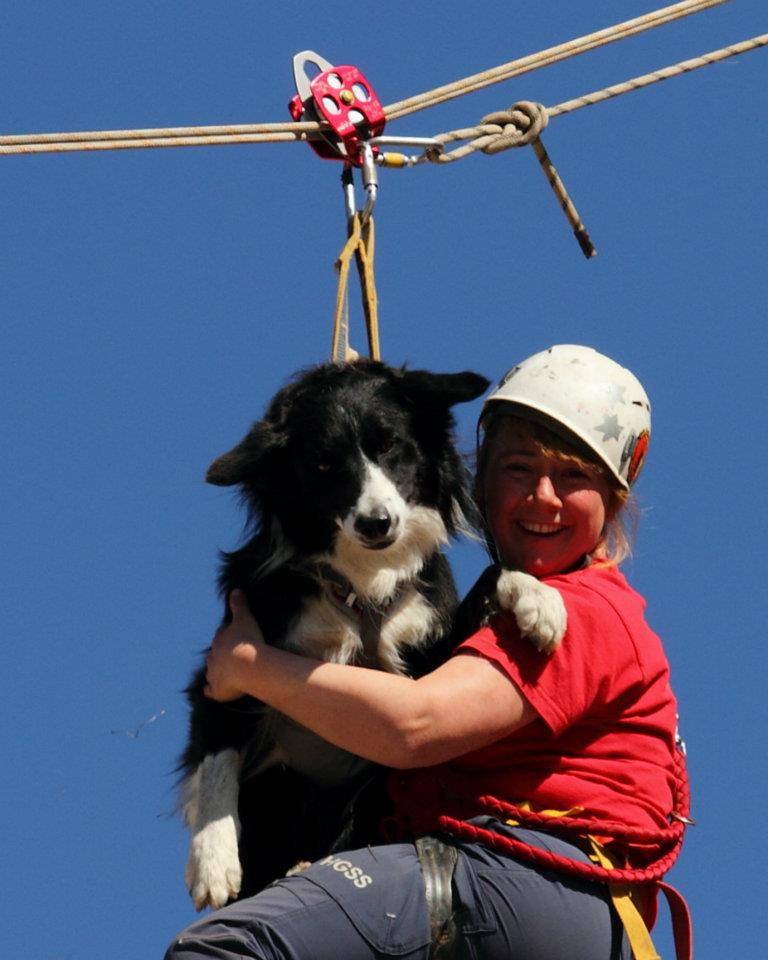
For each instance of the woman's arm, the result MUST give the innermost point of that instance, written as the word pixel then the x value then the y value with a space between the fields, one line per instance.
pixel 463 705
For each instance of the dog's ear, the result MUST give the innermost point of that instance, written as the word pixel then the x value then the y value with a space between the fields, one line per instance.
pixel 244 462
pixel 443 389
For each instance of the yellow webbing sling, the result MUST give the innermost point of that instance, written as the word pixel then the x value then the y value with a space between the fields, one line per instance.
pixel 621 897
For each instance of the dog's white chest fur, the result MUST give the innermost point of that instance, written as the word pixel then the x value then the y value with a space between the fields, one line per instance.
pixel 327 631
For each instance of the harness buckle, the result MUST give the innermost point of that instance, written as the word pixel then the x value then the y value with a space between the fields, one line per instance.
pixel 438 862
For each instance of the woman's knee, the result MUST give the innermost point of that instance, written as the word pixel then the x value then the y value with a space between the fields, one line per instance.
pixel 217 938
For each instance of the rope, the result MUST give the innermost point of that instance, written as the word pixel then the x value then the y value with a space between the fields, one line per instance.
pixel 554 861
pixel 544 58
pixel 285 132
pixel 522 123
pixel 506 129
pixel 685 66
pixel 136 143
pixel 361 245
pixel 517 127
pixel 666 841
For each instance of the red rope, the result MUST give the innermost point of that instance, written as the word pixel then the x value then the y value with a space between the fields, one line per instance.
pixel 667 840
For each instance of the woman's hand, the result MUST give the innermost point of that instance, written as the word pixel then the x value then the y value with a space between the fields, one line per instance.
pixel 233 648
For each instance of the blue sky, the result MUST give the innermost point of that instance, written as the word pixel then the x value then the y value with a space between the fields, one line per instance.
pixel 154 300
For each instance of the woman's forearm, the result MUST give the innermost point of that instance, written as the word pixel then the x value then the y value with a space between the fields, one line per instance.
pixel 393 720
pixel 376 715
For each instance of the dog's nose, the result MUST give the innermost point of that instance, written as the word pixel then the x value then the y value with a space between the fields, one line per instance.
pixel 374 526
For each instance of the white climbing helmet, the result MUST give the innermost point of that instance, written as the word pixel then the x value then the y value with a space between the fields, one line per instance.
pixel 579 391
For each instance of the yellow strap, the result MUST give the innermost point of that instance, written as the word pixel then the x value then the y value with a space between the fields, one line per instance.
pixel 620 893
pixel 621 897
pixel 525 806
pixel 365 252
pixel 361 245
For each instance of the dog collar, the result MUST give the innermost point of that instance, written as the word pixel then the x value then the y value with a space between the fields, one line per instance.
pixel 367 617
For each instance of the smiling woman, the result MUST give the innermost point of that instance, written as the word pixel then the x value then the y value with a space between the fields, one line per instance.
pixel 545 511
pixel 574 425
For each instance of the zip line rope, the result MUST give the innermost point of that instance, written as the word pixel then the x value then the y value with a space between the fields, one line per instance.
pixel 544 58
pixel 310 130
pixel 304 130
pixel 520 125
pixel 486 134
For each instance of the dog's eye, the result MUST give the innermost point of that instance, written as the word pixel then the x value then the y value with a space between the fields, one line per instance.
pixel 323 466
pixel 385 443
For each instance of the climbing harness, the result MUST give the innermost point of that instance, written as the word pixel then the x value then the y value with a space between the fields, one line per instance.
pixel 662 846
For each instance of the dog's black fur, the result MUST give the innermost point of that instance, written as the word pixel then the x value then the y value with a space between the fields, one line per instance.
pixel 317 476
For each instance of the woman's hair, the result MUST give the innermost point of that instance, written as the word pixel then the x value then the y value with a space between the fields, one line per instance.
pixel 615 544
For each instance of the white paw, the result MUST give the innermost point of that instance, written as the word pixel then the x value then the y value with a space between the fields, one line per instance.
pixel 213 873
pixel 538 609
pixel 298 868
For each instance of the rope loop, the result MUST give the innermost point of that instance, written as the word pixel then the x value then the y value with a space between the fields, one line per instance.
pixel 665 842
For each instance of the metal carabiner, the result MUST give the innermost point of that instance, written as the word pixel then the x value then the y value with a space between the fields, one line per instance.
pixel 369 158
pixel 402 159
pixel 370 178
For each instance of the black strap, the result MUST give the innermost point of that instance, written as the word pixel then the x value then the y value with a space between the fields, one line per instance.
pixel 438 861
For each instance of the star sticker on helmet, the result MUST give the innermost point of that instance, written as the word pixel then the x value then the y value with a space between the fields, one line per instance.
pixel 616 392
pixel 610 428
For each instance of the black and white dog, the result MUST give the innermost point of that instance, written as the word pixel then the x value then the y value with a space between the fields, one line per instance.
pixel 352 485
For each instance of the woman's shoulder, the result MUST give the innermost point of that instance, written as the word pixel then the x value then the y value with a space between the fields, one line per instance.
pixel 600 588
pixel 600 602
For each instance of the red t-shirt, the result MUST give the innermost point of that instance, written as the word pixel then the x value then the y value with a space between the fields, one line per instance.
pixel 603 740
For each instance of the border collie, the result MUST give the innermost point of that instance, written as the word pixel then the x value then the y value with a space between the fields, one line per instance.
pixel 352 485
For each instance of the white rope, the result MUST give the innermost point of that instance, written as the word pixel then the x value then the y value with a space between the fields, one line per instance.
pixel 15 144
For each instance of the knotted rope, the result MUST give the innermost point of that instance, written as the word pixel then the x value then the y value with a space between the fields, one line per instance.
pixel 502 130
pixel 520 126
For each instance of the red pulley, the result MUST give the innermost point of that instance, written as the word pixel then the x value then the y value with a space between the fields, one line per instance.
pixel 344 99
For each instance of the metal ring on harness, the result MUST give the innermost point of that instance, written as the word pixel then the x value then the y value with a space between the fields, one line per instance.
pixel 438 861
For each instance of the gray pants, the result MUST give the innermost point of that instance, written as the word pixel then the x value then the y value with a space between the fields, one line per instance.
pixel 370 903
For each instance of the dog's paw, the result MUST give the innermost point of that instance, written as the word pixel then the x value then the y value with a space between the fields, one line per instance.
pixel 538 609
pixel 213 873
pixel 298 868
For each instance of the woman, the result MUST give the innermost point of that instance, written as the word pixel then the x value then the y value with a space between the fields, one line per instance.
pixel 588 731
